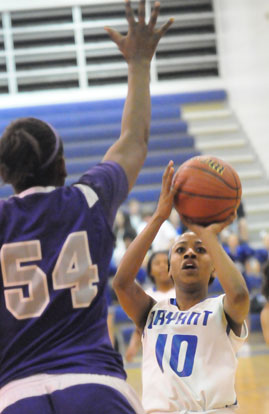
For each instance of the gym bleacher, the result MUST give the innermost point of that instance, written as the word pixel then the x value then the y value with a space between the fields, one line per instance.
pixel 89 128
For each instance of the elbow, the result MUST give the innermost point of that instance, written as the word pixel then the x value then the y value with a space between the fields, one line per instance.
pixel 241 297
pixel 115 284
pixel 118 284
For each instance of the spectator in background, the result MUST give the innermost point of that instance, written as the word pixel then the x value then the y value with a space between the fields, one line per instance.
pixel 162 287
pixel 174 219
pixel 254 279
pixel 134 209
pixel 238 227
pixel 242 225
pixel 238 252
pixel 123 231
pixel 265 311
pixel 166 234
pixel 262 254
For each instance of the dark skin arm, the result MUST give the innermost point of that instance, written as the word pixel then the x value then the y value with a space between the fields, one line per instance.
pixel 138 48
pixel 132 297
pixel 236 300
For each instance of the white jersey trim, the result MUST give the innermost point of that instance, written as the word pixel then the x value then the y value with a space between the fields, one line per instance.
pixel 89 194
pixel 43 384
pixel 34 190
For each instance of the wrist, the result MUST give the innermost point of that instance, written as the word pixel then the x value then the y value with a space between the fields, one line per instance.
pixel 158 217
pixel 139 64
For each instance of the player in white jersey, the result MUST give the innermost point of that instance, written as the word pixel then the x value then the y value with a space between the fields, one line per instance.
pixel 189 343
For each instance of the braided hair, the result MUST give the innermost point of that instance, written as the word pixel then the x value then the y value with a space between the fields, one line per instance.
pixel 29 150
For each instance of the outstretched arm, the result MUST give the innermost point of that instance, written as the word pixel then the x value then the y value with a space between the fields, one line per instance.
pixel 236 301
pixel 132 297
pixel 138 48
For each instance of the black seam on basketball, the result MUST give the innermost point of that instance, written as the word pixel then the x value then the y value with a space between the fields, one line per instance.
pixel 237 188
pixel 214 175
pixel 207 196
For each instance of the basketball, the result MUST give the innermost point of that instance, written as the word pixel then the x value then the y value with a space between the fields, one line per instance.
pixel 210 190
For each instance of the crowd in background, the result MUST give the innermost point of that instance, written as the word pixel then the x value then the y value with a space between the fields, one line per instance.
pixel 252 262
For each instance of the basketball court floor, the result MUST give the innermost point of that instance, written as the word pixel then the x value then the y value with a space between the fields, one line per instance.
pixel 252 381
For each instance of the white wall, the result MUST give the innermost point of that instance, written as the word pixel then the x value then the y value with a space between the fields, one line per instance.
pixel 12 5
pixel 243 42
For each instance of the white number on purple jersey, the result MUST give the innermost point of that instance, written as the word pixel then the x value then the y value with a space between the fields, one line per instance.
pixel 73 270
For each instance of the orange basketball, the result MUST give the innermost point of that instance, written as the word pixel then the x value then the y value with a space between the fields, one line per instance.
pixel 210 189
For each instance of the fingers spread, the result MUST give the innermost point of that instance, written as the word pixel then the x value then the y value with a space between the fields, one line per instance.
pixel 114 35
pixel 165 27
pixel 129 13
pixel 141 12
pixel 154 16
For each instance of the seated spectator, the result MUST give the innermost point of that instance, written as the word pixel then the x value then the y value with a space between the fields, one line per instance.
pixel 262 254
pixel 134 209
pixel 161 287
pixel 166 235
pixel 128 236
pixel 176 222
pixel 238 227
pixel 121 227
pixel 238 252
pixel 265 311
pixel 253 277
pixel 242 225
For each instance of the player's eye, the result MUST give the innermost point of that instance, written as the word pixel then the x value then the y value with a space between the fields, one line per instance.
pixel 180 249
pixel 201 249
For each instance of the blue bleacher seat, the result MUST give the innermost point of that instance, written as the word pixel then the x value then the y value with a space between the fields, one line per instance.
pixel 89 128
pixel 119 315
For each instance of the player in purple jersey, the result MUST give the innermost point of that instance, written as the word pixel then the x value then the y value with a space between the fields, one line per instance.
pixel 56 244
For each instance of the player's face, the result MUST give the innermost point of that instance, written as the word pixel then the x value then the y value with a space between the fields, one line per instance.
pixel 190 263
pixel 159 267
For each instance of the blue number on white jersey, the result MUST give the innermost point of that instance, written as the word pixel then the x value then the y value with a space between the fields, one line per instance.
pixel 182 353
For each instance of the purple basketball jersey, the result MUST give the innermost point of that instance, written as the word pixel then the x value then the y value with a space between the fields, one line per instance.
pixel 56 245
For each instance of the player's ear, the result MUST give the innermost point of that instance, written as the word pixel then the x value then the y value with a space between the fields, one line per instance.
pixel 213 275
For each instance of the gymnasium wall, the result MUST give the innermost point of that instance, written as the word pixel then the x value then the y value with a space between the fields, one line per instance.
pixel 243 39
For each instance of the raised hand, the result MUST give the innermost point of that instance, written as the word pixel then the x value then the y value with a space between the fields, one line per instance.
pixel 168 192
pixel 214 228
pixel 142 39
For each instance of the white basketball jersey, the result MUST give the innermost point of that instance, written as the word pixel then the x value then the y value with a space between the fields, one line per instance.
pixel 159 295
pixel 189 359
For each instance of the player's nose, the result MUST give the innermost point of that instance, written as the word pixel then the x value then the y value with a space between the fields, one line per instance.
pixel 190 252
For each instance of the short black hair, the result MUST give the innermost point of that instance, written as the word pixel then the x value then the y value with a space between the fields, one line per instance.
pixel 149 263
